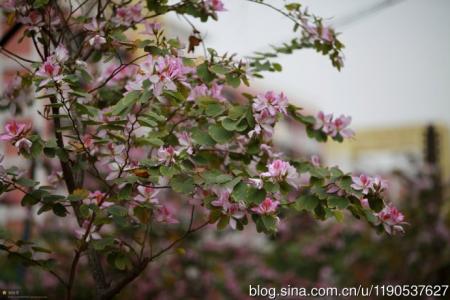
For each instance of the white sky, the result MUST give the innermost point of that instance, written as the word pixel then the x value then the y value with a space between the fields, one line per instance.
pixel 397 61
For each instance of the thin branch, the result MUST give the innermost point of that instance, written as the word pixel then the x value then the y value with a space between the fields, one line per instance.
pixel 14 59
pixel 36 263
pixel 115 72
pixel 17 56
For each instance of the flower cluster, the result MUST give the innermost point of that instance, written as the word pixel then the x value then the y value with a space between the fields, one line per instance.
pixel 334 127
pixel 16 133
pixel 392 219
pixel 202 90
pixel 162 74
pixel 215 5
pixel 267 207
pixel 144 133
pixel 266 107
pixel 365 183
pixel 279 170
pixel 234 210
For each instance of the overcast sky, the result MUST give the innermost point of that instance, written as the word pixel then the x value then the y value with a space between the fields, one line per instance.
pixel 397 60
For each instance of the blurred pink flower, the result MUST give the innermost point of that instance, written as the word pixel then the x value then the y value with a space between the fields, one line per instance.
pixel 267 207
pixel 14 131
pixel 164 215
pixel 362 183
pixel 147 194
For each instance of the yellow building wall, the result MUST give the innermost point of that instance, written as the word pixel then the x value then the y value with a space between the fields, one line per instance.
pixel 405 139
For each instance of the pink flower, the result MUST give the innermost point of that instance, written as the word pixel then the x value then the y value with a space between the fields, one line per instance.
pixel 8 5
pixel 215 5
pixel 392 219
pixel 171 67
pixel 333 127
pixel 380 183
pixel 270 103
pixel 315 161
pixel 334 189
pixel 61 54
pixel 267 207
pixel 362 183
pixel 147 194
pixel 281 170
pixel 49 68
pixel 391 216
pixel 97 41
pixel 14 131
pixel 163 73
pixel 94 26
pixel 232 209
pixel 216 92
pixel 322 120
pixel 118 72
pixel 364 202
pixel 98 198
pixel 327 34
pixel 32 18
pixel 128 15
pixel 151 28
pixel 81 232
pixel 88 142
pixel 23 145
pixel 256 182
pixel 185 140
pixel 164 215
pixel 166 155
pixel 202 90
pixel 340 126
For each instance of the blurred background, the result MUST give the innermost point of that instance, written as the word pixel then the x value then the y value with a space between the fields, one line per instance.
pixel 396 86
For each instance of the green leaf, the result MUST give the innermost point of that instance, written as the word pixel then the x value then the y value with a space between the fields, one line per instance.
pixel 40 249
pixel 270 222
pixel 248 194
pixel 59 210
pixel 125 192
pixel 214 109
pixel 40 3
pixel 168 171
pixel 219 69
pixel 30 200
pixel 84 211
pixel 338 202
pixel 204 73
pixel 229 124
pixel 338 215
pixel 237 112
pixel 121 261
pixel 306 202
pixel 102 243
pixel 216 177
pixel 233 80
pixel 26 182
pixel 202 138
pixel 223 222
pixel 44 208
pixel 125 103
pixel 375 202
pixel 175 95
pixel 117 211
pixel 182 184
pixel 219 134
pixel 154 141
pixel 142 213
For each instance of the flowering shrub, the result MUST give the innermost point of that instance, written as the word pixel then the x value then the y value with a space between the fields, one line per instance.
pixel 138 122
